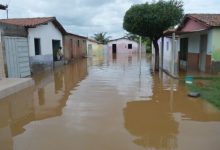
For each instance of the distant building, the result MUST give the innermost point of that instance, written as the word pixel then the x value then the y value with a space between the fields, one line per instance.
pixel 74 46
pixel 122 45
pixel 94 47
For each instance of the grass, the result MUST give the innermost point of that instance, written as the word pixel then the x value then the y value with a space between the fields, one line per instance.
pixel 209 88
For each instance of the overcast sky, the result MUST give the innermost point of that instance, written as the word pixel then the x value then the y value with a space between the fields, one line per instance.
pixel 86 17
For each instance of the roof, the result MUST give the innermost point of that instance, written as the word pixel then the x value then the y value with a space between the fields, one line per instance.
pixel 125 38
pixel 209 20
pixel 212 20
pixel 33 22
pixel 76 35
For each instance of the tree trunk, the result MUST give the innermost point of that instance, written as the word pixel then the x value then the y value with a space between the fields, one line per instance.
pixel 156 47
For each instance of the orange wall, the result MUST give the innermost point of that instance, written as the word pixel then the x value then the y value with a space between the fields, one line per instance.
pixel 71 48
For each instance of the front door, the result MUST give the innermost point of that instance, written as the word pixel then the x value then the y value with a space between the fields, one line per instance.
pixel 114 48
pixel 56 46
pixel 203 52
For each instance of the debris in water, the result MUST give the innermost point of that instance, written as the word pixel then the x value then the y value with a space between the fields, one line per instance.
pixel 194 94
pixel 188 79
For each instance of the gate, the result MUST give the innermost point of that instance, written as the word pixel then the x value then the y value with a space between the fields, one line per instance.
pixel 17 56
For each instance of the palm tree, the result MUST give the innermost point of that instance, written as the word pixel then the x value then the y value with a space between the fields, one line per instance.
pixel 101 37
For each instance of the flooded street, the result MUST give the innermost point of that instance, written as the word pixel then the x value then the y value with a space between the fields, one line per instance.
pixel 107 103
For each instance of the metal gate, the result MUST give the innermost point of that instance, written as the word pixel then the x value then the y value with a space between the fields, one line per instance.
pixel 17 56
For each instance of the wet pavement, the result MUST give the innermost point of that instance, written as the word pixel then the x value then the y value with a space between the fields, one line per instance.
pixel 107 103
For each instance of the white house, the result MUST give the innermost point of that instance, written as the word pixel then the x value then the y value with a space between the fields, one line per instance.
pixel 45 37
pixel 168 58
pixel 122 45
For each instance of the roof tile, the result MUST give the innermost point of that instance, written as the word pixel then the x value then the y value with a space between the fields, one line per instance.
pixel 212 20
pixel 27 22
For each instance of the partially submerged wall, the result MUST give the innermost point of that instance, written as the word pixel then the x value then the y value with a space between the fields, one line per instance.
pixel 2 70
pixel 215 46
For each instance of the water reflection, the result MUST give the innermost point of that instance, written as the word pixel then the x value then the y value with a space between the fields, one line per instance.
pixel 156 123
pixel 15 111
pixel 102 103
pixel 46 99
pixel 53 88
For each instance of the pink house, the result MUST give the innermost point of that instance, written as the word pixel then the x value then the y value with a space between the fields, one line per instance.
pixel 122 45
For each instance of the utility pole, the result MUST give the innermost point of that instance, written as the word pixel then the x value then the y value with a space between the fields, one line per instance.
pixel 140 47
pixel 4 7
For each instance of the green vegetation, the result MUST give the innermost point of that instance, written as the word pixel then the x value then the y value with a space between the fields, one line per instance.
pixel 150 20
pixel 209 88
pixel 102 38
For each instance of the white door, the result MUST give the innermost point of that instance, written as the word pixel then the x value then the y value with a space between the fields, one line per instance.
pixel 203 51
pixel 17 56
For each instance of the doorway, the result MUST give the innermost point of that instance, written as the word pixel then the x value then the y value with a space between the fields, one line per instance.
pixel 55 46
pixel 203 51
pixel 183 54
pixel 114 48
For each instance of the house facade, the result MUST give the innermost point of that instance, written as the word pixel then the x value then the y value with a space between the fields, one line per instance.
pixel 44 38
pixel 74 46
pixel 199 42
pixel 94 48
pixel 122 45
pixel 168 59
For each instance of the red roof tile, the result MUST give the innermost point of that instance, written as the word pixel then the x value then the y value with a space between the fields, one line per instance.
pixel 27 22
pixel 212 20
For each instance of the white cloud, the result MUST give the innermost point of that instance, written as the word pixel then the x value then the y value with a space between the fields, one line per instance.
pixel 87 17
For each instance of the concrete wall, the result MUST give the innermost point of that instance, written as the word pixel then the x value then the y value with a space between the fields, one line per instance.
pixel 194 41
pixel 213 50
pixel 167 53
pixel 46 33
pixel 71 48
pixel 94 49
pixel 12 30
pixel 122 46
pixel 215 44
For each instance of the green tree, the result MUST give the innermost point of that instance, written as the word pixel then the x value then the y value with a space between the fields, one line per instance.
pixel 150 20
pixel 102 38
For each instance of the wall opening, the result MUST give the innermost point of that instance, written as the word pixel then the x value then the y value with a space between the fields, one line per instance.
pixel 114 48
pixel 129 46
pixel 37 46
pixel 56 45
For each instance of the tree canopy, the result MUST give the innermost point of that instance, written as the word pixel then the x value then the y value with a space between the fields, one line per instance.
pixel 151 19
pixel 102 38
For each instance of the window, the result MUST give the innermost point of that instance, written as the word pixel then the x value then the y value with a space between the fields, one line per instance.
pixel 37 46
pixel 129 46
pixel 78 43
pixel 167 46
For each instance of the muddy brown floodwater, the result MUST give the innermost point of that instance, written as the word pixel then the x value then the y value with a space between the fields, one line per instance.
pixel 105 103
